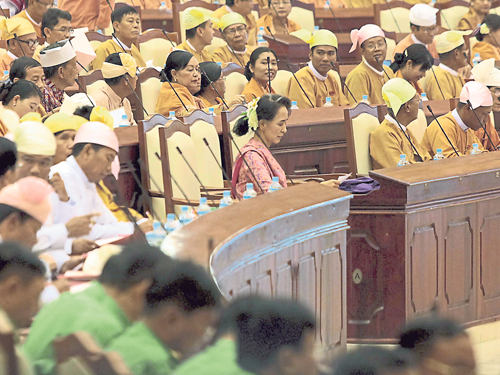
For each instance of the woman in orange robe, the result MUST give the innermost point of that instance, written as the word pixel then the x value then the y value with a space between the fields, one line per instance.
pixel 259 73
pixel 488 38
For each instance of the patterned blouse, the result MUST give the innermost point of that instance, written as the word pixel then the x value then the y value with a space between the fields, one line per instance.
pixel 52 96
pixel 263 165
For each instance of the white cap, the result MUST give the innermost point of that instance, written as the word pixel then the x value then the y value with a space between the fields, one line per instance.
pixel 57 56
pixel 423 15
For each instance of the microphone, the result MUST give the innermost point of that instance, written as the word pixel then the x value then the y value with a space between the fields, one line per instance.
pixel 3 12
pixel 220 166
pixel 408 138
pixel 382 66
pixel 435 77
pixel 336 19
pixel 18 42
pixel 392 14
pixel 215 89
pixel 85 92
pixel 281 20
pixel 163 76
pixel 135 94
pixel 246 163
pixel 343 82
pixel 109 4
pixel 193 172
pixel 482 125
pixel 269 72
pixel 290 68
pixel 448 139
pixel 81 66
pixel 127 211
pixel 170 40
pixel 231 49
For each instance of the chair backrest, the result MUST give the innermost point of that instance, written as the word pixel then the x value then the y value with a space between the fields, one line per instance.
pixel 495 7
pixel 280 82
pixel 360 122
pixel 150 85
pixel 216 43
pixel 228 120
pixel 92 81
pixel 208 168
pixel 79 354
pixel 8 353
pixel 393 16
pixel 231 68
pixel 303 14
pixel 196 115
pixel 235 84
pixel 451 12
pixel 178 10
pixel 154 45
pixel 96 39
pixel 418 126
pixel 391 40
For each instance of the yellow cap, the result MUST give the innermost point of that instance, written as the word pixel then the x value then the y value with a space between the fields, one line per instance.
pixel 79 121
pixel 195 16
pixel 31 116
pixel 303 34
pixel 449 40
pixel 324 37
pixel 15 25
pixel 101 114
pixel 59 122
pixel 396 92
pixel 35 138
pixel 129 65
pixel 229 19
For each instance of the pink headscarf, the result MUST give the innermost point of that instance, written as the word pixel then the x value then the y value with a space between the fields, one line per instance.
pixel 366 32
pixel 477 93
pixel 29 195
pixel 97 133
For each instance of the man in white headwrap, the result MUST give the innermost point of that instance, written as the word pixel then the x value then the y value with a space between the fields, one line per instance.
pixel 486 73
pixel 390 139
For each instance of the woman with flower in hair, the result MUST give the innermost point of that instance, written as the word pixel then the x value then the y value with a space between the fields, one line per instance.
pixel 488 39
pixel 266 118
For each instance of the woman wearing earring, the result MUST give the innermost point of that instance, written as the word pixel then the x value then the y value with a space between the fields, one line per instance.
pixel 259 73
pixel 413 64
pixel 21 96
pixel 266 118
pixel 488 39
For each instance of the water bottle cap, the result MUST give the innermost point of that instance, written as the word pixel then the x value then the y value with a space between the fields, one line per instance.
pixel 327 2
pixel 365 97
pixel 219 63
pixel 402 156
pixel 211 110
pixel 475 145
pixel 316 28
pixel 294 103
pixel 184 209
pixel 203 200
pixel 249 185
pixel 171 113
pixel 261 28
pixel 424 95
pixel 476 55
pixel 276 179
pixel 439 150
pixel 170 217
pixel 156 225
pixel 328 99
pixel 124 117
pixel 226 193
pixel 5 72
pixel 162 3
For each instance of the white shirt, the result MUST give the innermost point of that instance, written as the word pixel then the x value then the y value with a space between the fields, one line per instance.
pixel 84 193
pixel 393 121
pixel 448 69
pixel 121 44
pixel 379 72
pixel 315 72
pixel 459 121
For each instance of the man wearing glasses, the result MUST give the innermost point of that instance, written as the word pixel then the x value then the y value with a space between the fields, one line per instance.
pixel 234 27
pixel 277 19
pixel 423 29
pixel 243 7
pixel 21 40
pixel 56 26
pixel 35 9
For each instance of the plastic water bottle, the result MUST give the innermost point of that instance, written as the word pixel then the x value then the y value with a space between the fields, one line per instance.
pixel 275 185
pixel 327 4
pixel 328 102
pixel 475 149
pixel 402 160
pixel 203 208
pixel 171 116
pixel 294 105
pixel 216 2
pixel 260 33
pixel 424 97
pixel 211 111
pixel 365 99
pixel 249 192
pixel 476 60
pixel 124 122
pixel 433 2
pixel 185 216
pixel 6 73
pixel 439 154
pixel 226 199
pixel 163 6
pixel 157 235
pixel 219 63
pixel 316 28
pixel 261 42
pixel 172 224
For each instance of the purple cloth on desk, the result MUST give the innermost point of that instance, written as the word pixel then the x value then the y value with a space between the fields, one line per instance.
pixel 361 185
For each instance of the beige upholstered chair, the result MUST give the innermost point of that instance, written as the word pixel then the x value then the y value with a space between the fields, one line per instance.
pixel 230 150
pixel 303 14
pixel 387 14
pixel 216 43
pixel 418 126
pixel 280 83
pixel 155 46
pixel 96 38
pixel 235 84
pixel 92 81
pixel 451 12
pixel 360 122
pixel 150 89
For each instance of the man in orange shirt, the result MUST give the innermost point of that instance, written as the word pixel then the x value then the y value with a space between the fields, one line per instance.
pixel 243 7
pixel 94 14
pixel 423 29
pixel 35 9
pixel 21 40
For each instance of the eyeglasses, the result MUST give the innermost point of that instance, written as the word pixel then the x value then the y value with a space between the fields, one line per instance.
pixel 65 30
pixel 234 30
pixel 372 46
pixel 30 43
pixel 48 6
pixel 429 29
pixel 495 90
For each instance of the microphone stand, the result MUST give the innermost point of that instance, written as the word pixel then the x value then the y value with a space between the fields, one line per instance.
pixel 269 72
pixel 382 66
pixel 448 139
pixel 336 19
pixel 231 48
pixel 110 7
pixel 246 163
pixel 482 125
pixel 18 42
pixel 343 81
pixel 435 77
pixel 215 89
pixel 392 14
pixel 84 91
pixel 408 138
pixel 281 20
pixel 170 40
pixel 164 77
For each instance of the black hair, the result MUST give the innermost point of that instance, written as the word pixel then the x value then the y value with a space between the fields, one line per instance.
pixel 313 48
pixel 253 59
pixel 212 71
pixel 373 361
pixel 8 155
pixel 6 210
pixel 267 108
pixel 52 70
pixel 183 283
pixel 118 14
pixel 271 326
pixel 417 53
pixel 444 56
pixel 420 334
pixel 416 26
pixel 230 3
pixel 78 148
pixel 51 18
pixel 493 23
pixel 134 264
pixel 20 66
pixel 177 60
pixel 25 89
pixel 84 111
pixel 15 259
pixel 114 59
pixel 191 33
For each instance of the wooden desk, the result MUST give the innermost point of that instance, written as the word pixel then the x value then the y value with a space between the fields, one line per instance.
pixel 294 248
pixel 428 237
pixel 291 48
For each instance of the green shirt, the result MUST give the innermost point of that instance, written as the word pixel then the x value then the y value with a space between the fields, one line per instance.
pixel 143 352
pixel 90 310
pixel 219 359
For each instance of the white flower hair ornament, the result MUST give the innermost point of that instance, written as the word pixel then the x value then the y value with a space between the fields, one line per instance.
pixel 251 114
